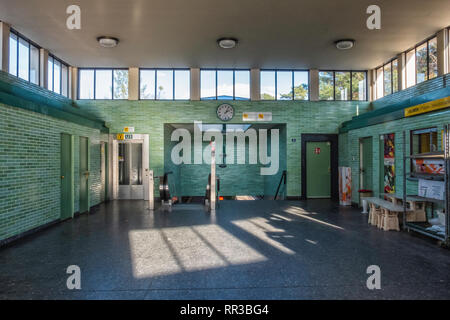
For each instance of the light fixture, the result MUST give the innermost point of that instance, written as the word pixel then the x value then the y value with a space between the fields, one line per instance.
pixel 108 42
pixel 227 43
pixel 344 44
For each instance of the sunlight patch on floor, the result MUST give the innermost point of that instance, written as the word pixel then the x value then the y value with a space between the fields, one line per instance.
pixel 259 227
pixel 186 249
pixel 299 212
pixel 281 217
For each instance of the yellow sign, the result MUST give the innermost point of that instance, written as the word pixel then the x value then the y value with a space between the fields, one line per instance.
pixel 428 107
pixel 128 129
pixel 124 136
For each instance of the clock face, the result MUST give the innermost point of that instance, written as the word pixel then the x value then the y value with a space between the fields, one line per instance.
pixel 225 112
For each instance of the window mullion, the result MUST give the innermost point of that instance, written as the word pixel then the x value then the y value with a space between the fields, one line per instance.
pixel 334 86
pixel 112 84
pixel 95 84
pixel 17 53
pixel 29 61
pixel 293 86
pixel 234 85
pixel 276 85
pixel 156 83
pixel 173 82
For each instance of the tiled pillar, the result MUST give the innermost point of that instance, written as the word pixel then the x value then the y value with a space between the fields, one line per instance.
pixel 401 71
pixel 74 82
pixel 255 84
pixel 195 84
pixel 369 86
pixel 43 72
pixel 442 52
pixel 4 46
pixel 133 84
pixel 314 84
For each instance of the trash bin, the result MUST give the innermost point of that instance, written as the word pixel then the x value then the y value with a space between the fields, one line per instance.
pixel 365 193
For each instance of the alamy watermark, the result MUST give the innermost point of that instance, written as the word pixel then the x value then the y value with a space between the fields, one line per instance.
pixel 73 22
pixel 374 280
pixel 74 280
pixel 235 139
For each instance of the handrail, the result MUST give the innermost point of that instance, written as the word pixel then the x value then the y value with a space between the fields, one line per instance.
pixel 283 178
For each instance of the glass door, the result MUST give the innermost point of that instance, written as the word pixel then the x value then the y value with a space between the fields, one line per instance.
pixel 130 170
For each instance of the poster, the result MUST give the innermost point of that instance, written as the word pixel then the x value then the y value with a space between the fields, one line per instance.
pixel 389 163
pixel 429 166
pixel 431 189
pixel 345 186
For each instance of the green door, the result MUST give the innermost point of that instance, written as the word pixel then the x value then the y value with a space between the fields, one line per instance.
pixel 318 170
pixel 67 192
pixel 84 174
pixel 366 164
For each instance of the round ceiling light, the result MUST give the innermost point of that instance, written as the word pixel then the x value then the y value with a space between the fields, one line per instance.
pixel 345 44
pixel 108 42
pixel 227 43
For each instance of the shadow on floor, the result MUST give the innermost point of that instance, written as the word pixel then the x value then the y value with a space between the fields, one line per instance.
pixel 246 250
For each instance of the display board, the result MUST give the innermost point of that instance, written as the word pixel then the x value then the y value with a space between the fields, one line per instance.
pixel 345 186
pixel 389 163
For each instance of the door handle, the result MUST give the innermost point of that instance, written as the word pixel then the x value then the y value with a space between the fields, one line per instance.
pixel 62 177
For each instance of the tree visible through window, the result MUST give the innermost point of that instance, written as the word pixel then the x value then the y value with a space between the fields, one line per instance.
pixel 326 85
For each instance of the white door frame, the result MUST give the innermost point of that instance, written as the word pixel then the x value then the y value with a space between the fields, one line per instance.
pixel 113 189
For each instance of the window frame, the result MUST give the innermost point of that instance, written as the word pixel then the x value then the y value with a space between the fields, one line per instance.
pixel 382 66
pixel 61 76
pixel 156 83
pixel 351 84
pixel 411 141
pixel 293 84
pixel 95 82
pixel 427 41
pixel 30 43
pixel 234 83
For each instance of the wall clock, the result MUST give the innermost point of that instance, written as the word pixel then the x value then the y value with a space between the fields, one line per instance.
pixel 225 112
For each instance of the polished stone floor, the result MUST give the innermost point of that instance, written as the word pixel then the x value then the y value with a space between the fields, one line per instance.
pixel 246 250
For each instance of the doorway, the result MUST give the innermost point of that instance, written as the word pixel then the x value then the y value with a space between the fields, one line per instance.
pixel 366 163
pixel 319 166
pixel 67 176
pixel 318 169
pixel 103 170
pixel 84 174
pixel 130 162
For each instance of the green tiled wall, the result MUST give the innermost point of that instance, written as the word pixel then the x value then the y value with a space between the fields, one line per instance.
pixel 349 148
pixel 235 179
pixel 30 168
pixel 149 117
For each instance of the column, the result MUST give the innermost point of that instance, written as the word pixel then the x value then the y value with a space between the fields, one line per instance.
pixel 442 52
pixel 133 84
pixel 314 84
pixel 43 72
pixel 195 84
pixel 74 83
pixel 4 46
pixel 255 84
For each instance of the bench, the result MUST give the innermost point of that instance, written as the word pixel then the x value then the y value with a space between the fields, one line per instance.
pixel 416 203
pixel 384 214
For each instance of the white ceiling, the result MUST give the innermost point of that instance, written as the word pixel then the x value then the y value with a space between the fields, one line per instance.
pixel 183 33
